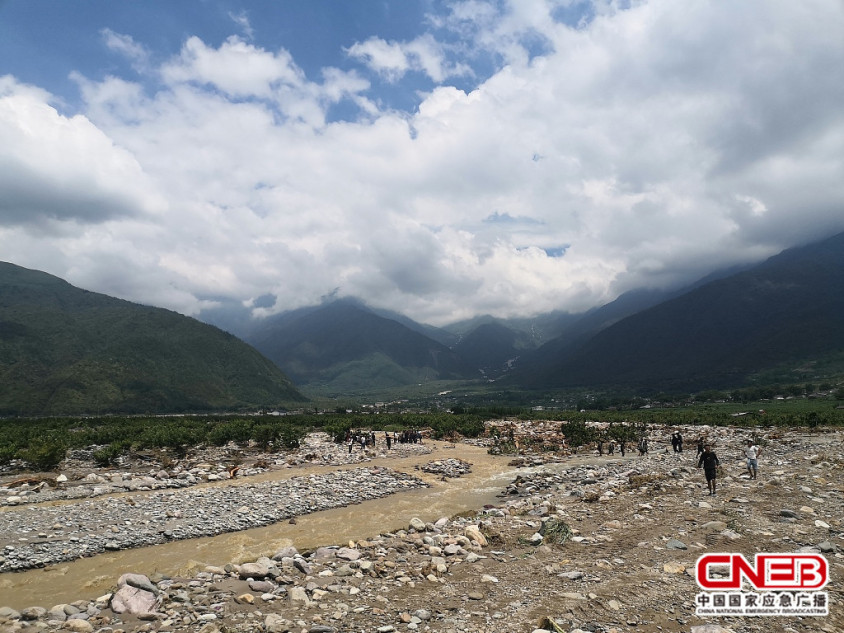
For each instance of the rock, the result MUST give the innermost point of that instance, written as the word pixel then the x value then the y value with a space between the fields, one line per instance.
pixel 347 553
pixel 298 595
pixel 675 544
pixel 286 552
pixel 33 613
pixel 674 567
pixel 475 595
pixel 474 533
pixel 253 570
pixel 135 594
pixel 274 623
pixel 714 526
pixel 417 524
pixel 791 514
pixel 77 625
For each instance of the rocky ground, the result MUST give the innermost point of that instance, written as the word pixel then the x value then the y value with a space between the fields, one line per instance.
pixel 604 547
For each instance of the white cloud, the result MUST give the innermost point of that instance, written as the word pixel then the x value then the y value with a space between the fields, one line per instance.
pixel 125 45
pixel 56 168
pixel 393 60
pixel 655 142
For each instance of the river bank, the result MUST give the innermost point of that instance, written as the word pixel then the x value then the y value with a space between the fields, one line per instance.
pixel 635 528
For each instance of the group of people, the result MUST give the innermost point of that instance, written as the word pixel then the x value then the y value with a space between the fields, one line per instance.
pixel 709 461
pixel 706 457
pixel 367 438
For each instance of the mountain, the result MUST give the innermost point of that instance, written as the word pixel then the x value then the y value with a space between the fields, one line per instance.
pixel 347 346
pixel 489 348
pixel 785 310
pixel 64 350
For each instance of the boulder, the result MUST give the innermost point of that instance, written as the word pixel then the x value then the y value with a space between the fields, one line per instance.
pixel 135 595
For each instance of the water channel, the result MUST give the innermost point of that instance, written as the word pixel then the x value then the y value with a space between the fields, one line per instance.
pixel 88 578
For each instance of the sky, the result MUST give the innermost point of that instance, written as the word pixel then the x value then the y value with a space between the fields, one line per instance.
pixel 442 159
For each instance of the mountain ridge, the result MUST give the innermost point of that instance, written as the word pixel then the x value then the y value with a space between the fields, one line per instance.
pixel 65 350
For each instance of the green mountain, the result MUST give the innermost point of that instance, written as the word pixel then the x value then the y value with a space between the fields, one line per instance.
pixel 787 310
pixel 344 346
pixel 64 350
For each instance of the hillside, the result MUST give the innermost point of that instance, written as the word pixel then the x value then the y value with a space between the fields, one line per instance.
pixel 64 350
pixel 345 345
pixel 785 310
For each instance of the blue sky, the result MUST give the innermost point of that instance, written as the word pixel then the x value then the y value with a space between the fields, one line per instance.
pixel 443 159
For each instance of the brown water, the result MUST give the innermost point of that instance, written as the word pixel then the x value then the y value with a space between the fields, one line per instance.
pixel 88 578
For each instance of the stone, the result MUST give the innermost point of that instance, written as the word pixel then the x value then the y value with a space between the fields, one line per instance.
pixel 286 552
pixel 135 595
pixel 675 544
pixel 474 533
pixel 77 625
pixel 417 524
pixel 253 570
pixel 673 567
pixel 298 595
pixel 274 623
pixel 32 613
pixel 347 553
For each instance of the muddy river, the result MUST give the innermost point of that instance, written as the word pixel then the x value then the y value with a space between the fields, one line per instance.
pixel 88 578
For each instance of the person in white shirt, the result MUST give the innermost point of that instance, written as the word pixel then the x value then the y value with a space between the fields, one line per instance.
pixel 751 452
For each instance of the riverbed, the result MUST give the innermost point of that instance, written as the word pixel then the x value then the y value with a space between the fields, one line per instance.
pixel 90 577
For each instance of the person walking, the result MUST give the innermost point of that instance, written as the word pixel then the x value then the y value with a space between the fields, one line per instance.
pixel 709 462
pixel 751 452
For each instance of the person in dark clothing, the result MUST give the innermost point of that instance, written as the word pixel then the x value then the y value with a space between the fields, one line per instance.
pixel 622 446
pixel 679 442
pixel 709 462
pixel 699 445
pixel 387 436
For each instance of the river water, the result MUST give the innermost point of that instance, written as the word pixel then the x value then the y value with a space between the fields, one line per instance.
pixel 88 578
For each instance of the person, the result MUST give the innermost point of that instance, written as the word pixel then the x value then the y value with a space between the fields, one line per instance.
pixel 679 442
pixel 611 448
pixel 699 446
pixel 751 452
pixel 709 461
pixel 387 436
pixel 600 447
pixel 623 447
pixel 351 443
pixel 674 441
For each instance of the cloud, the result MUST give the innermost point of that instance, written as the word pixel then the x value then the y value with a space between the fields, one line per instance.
pixel 643 145
pixel 125 45
pixel 392 60
pixel 57 168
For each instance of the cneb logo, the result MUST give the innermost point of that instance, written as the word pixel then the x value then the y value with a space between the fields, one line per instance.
pixel 807 572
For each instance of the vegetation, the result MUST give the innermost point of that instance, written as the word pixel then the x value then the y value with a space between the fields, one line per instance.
pixel 65 351
pixel 43 442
